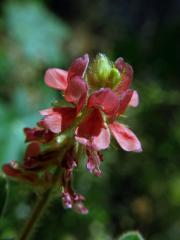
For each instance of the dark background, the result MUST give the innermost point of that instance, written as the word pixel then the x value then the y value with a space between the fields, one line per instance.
pixel 137 191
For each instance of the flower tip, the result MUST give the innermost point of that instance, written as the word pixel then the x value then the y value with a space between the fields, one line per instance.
pixel 134 102
pixel 11 169
pixel 86 57
pixel 139 150
pixel 84 211
pixel 80 208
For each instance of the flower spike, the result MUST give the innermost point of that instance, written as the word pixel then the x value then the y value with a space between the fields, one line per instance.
pixel 96 95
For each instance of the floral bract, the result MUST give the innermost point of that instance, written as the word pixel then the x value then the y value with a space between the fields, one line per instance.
pixel 97 94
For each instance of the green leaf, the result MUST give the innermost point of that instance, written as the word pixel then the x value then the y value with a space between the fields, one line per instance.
pixel 39 34
pixel 132 235
pixel 3 194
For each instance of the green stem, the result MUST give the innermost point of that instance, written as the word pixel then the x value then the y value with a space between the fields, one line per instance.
pixel 32 222
pixel 41 204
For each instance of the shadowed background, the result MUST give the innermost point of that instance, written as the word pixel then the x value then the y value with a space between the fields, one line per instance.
pixel 136 191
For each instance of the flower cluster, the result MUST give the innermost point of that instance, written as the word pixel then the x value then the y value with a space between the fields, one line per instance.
pixel 96 94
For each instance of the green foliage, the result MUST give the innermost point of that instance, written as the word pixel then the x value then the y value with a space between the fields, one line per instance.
pixel 4 193
pixel 131 236
pixel 40 34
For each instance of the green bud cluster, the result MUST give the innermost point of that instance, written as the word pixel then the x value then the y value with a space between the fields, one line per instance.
pixel 102 73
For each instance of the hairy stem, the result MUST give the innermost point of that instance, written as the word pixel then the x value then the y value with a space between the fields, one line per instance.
pixel 38 210
pixel 41 204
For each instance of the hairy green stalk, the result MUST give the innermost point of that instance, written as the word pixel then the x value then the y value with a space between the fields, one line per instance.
pixel 42 203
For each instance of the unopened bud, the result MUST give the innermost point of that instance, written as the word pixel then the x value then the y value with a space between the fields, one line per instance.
pixel 103 67
pixel 114 77
pixel 102 73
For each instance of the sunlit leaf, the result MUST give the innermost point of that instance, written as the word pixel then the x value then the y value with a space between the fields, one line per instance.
pixel 132 235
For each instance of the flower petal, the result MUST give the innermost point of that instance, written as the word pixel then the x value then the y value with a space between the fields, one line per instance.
pixel 134 102
pixel 82 140
pixel 91 126
pixel 92 132
pixel 126 72
pixel 66 200
pixel 101 141
pixel 33 149
pixel 46 112
pixel 125 137
pixel 12 169
pixel 124 101
pixel 105 99
pixel 76 91
pixel 38 134
pixel 80 208
pixel 78 67
pixel 40 161
pixel 56 78
pixel 59 119
pixel 54 122
pixel 93 163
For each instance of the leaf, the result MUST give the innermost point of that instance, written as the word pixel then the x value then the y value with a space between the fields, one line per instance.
pixel 3 194
pixel 132 235
pixel 39 34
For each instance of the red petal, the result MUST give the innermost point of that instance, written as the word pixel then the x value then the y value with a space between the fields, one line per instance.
pixel 91 126
pixel 134 102
pixel 56 78
pixel 76 91
pixel 78 67
pixel 99 142
pixel 91 132
pixel 41 161
pixel 125 137
pixel 59 119
pixel 38 134
pixel 106 100
pixel 32 150
pixel 124 100
pixel 12 171
pixel 127 75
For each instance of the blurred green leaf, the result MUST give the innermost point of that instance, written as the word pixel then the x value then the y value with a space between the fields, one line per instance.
pixel 40 34
pixel 3 198
pixel 131 236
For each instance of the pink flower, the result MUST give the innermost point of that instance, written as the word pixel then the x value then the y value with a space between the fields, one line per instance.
pixel 97 94
pixel 113 109
pixel 75 91
pixel 94 132
pixel 94 129
pixel 70 199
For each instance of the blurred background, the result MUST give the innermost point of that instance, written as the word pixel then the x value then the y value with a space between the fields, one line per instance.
pixel 137 191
